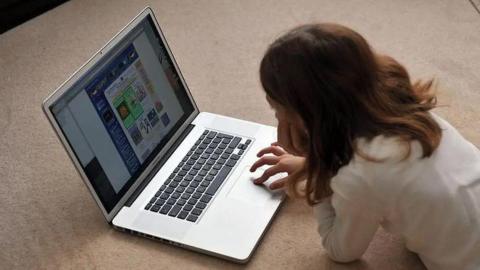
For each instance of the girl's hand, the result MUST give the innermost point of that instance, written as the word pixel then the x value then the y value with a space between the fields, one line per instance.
pixel 282 161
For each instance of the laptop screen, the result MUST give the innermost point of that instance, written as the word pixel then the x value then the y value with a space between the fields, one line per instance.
pixel 119 115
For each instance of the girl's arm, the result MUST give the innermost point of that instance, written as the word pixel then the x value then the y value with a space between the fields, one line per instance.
pixel 345 226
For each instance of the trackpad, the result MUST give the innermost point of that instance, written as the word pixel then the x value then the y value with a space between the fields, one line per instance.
pixel 245 190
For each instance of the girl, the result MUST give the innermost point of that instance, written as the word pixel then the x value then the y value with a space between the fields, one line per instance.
pixel 351 123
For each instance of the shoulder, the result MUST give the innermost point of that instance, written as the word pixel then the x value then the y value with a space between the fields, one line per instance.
pixel 374 165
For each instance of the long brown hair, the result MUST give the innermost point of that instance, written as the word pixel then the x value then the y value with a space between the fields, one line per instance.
pixel 342 90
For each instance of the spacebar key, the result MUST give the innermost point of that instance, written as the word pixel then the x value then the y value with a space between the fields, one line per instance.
pixel 218 180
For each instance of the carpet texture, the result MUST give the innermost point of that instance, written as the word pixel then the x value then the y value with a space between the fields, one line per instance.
pixel 48 219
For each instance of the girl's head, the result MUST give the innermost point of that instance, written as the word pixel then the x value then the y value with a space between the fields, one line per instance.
pixel 326 79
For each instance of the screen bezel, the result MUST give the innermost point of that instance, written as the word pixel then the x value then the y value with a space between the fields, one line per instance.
pixel 92 62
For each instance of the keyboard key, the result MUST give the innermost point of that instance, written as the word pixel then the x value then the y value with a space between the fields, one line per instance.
pixel 196 211
pixel 217 166
pixel 188 207
pixel 210 162
pixel 173 184
pixel 235 157
pixel 185 159
pixel 194 184
pixel 153 200
pixel 231 162
pixel 165 209
pixel 155 208
pixel 191 162
pixel 187 167
pixel 189 153
pixel 242 146
pixel 207 167
pixel 193 172
pixel 222 146
pixel 229 151
pixel 175 195
pixel 241 152
pixel 209 178
pixel 227 140
pixel 192 201
pixel 160 202
pixel 185 196
pixel 211 134
pixel 221 161
pixel 202 187
pixel 201 161
pixel 178 178
pixel 169 190
pixel 190 190
pixel 195 157
pixel 225 155
pixel 201 205
pixel 206 198
pixel 218 151
pixel 192 218
pixel 182 215
pixel 213 172
pixel 198 151
pixel 205 132
pixel 209 151
pixel 248 142
pixel 175 211
pixel 148 206
pixel 197 166
pixel 217 182
pixel 197 195
pixel 184 184
pixel 226 136
pixel 235 142
pixel 182 173
pixel 181 202
pixel 171 176
pixel 198 178
pixel 216 140
pixel 171 201
pixel 188 178
pixel 202 173
pixel 164 196
pixel 180 189
pixel 198 142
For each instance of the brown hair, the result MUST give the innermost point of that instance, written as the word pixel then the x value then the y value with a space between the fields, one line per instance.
pixel 342 90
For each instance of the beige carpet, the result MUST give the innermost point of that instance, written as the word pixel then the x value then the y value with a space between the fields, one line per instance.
pixel 48 219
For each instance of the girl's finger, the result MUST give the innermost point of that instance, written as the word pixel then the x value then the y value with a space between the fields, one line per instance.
pixel 276 150
pixel 280 183
pixel 269 173
pixel 267 160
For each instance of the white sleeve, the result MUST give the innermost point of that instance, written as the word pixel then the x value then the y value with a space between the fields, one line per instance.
pixel 345 228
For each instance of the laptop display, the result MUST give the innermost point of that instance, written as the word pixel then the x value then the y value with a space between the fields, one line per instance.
pixel 123 111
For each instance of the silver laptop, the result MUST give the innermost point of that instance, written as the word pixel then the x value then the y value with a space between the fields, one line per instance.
pixel 155 165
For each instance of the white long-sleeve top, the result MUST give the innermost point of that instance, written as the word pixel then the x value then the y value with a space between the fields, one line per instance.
pixel 433 202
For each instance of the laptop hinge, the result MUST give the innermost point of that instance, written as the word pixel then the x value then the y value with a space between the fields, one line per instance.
pixel 160 163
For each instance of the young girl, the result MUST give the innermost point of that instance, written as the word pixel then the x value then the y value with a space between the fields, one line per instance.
pixel 352 124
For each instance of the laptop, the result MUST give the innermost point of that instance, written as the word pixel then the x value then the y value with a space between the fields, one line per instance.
pixel 156 166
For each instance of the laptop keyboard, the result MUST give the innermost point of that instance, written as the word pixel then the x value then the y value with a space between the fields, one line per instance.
pixel 192 185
